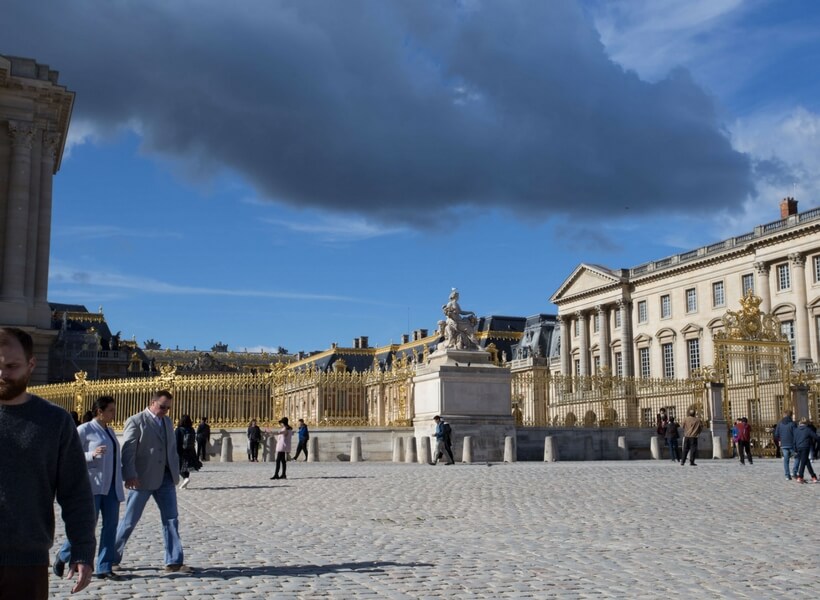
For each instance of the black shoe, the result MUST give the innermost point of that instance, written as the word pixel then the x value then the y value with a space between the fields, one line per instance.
pixel 283 477
pixel 692 465
pixel 111 576
pixel 275 477
pixel 58 568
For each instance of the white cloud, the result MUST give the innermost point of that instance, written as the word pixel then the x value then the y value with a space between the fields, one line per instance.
pixel 337 229
pixel 108 231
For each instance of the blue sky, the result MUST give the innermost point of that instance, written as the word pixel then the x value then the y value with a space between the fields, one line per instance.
pixel 295 174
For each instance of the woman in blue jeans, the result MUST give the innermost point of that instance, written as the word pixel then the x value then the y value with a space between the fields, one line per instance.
pixel 104 462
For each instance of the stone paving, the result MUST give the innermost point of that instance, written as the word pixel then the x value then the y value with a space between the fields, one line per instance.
pixel 640 529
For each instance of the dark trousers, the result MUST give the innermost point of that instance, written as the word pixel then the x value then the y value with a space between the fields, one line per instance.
pixel 281 460
pixel 744 447
pixel 690 444
pixel 444 446
pixel 24 582
pixel 674 449
pixel 301 447
pixel 804 462
pixel 253 451
pixel 202 448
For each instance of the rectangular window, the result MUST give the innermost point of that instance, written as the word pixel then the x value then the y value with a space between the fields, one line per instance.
pixel 718 296
pixel 596 322
pixel 747 282
pixel 596 364
pixel 619 365
pixel 784 277
pixel 576 327
pixel 642 317
pixel 643 355
pixel 617 318
pixel 668 361
pixel 693 350
pixel 577 368
pixel 691 300
pixel 648 419
pixel 816 263
pixel 666 306
pixel 787 327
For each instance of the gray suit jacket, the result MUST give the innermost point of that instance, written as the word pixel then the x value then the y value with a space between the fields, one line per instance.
pixel 144 455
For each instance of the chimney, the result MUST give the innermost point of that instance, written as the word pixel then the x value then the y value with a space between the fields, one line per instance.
pixel 788 207
pixel 363 342
pixel 357 343
pixel 422 333
pixel 405 338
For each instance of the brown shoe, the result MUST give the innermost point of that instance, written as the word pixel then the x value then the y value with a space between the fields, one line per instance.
pixel 178 569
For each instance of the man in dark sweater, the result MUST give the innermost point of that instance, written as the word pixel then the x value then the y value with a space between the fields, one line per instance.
pixel 40 459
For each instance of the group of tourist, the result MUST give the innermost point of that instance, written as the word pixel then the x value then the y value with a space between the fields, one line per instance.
pixel 670 431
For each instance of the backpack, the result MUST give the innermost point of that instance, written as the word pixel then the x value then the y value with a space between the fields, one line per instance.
pixel 448 433
pixel 187 440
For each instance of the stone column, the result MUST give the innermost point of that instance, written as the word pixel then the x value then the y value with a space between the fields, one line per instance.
pixel 626 337
pixel 762 288
pixel 566 347
pixel 602 315
pixel 33 228
pixel 801 314
pixel 583 324
pixel 16 226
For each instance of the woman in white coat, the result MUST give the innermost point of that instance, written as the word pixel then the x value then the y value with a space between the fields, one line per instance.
pixel 104 462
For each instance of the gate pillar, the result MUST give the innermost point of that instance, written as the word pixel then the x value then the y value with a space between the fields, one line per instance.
pixel 719 426
pixel 800 401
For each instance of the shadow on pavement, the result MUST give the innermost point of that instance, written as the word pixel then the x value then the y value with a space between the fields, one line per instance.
pixel 235 487
pixel 299 570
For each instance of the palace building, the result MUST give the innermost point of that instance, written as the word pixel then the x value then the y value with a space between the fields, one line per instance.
pixel 658 319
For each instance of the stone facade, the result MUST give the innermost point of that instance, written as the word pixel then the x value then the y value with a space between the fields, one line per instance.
pixel 657 319
pixel 34 116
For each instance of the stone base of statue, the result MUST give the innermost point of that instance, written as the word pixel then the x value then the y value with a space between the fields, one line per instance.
pixel 471 394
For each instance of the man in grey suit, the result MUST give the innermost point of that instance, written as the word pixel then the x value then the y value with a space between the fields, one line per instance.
pixel 150 467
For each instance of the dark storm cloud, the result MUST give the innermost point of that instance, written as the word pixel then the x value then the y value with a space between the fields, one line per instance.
pixel 401 111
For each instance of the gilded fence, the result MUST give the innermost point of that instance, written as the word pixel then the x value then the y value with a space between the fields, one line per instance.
pixel 543 399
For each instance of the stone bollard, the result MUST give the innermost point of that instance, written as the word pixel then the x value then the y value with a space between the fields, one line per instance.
pixel 467 450
pixel 398 449
pixel 717 447
pixel 356 449
pixel 550 449
pixel 655 447
pixel 226 455
pixel 623 448
pixel 509 449
pixel 424 452
pixel 313 449
pixel 410 454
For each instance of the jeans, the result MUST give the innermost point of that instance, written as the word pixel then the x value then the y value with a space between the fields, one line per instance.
pixel 253 451
pixel 301 447
pixel 166 498
pixel 744 447
pixel 803 455
pixel 674 450
pixel 443 446
pixel 787 454
pixel 109 505
pixel 202 448
pixel 690 444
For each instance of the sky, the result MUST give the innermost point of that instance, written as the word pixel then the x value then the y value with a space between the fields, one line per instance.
pixel 272 173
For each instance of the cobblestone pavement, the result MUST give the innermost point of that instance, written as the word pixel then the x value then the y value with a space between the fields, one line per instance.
pixel 640 529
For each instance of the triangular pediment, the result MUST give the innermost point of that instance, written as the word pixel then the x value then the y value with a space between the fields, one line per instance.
pixel 584 278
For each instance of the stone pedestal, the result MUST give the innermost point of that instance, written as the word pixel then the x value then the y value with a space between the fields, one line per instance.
pixel 719 426
pixel 469 393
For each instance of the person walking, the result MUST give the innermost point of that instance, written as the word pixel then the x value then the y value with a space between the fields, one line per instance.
pixel 785 433
pixel 672 436
pixel 254 437
pixel 103 459
pixel 692 426
pixel 444 442
pixel 203 434
pixel 804 440
pixel 744 440
pixel 303 435
pixel 41 459
pixel 188 460
pixel 283 437
pixel 150 466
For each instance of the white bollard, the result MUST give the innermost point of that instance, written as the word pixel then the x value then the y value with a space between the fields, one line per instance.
pixel 655 447
pixel 467 450
pixel 313 449
pixel 509 449
pixel 226 453
pixel 398 449
pixel 424 451
pixel 717 447
pixel 410 454
pixel 356 449
pixel 550 449
pixel 623 448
